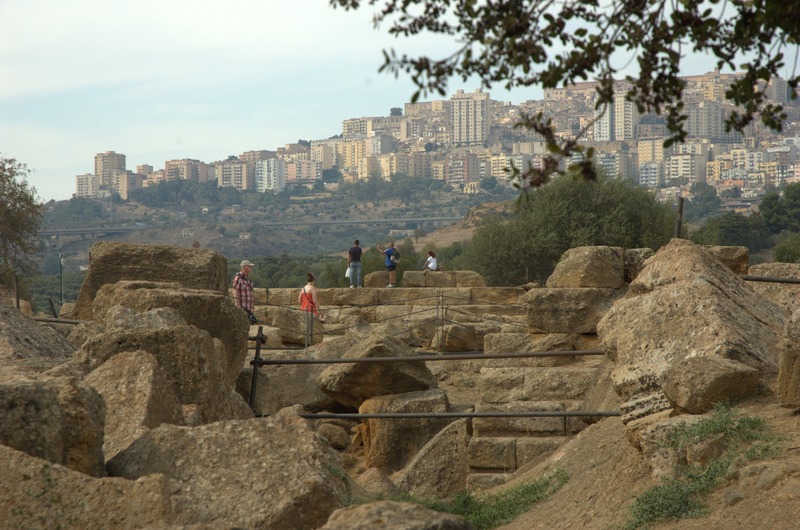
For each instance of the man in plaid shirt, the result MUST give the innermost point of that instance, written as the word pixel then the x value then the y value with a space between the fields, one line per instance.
pixel 243 289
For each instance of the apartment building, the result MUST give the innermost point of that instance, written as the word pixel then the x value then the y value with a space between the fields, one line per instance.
pixel 123 182
pixel 684 169
pixel 270 175
pixel 303 170
pixel 367 167
pixel 651 174
pixel 626 116
pixel 393 164
pixel 470 118
pixel 322 154
pixel 235 174
pixel 261 154
pixel 87 185
pixel 188 169
pixel 106 163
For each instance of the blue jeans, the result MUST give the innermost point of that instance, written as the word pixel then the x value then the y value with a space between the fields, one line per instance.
pixel 355 274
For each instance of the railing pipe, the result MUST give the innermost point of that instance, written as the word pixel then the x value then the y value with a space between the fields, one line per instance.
pixel 409 415
pixel 445 357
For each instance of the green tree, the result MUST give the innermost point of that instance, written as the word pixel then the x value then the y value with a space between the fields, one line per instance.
pixel 20 218
pixel 781 211
pixel 567 212
pixel 787 250
pixel 554 44
pixel 734 229
pixel 395 111
pixel 704 202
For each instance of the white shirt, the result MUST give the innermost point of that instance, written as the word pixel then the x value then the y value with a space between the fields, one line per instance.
pixel 431 263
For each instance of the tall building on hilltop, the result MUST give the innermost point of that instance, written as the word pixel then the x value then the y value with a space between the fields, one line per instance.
pixel 105 164
pixel 470 118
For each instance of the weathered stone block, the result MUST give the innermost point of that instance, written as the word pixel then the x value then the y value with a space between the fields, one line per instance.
pixel 568 310
pixel 598 266
pixel 492 453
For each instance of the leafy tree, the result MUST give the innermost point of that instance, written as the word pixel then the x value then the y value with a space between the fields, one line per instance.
pixel 489 183
pixel 553 44
pixel 788 248
pixel 734 229
pixel 781 211
pixel 396 111
pixel 20 218
pixel 566 213
pixel 704 202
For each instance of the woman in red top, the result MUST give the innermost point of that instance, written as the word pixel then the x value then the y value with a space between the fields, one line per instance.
pixel 308 297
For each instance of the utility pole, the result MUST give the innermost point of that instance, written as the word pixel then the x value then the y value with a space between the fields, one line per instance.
pixel 61 273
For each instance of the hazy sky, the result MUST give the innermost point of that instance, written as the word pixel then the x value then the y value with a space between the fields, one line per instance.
pixel 165 79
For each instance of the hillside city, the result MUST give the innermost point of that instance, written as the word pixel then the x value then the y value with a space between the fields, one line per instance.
pixel 469 137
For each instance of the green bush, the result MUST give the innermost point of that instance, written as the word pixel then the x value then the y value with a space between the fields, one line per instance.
pixel 787 250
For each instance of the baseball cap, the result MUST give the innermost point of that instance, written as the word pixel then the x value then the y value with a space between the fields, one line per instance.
pixel 247 263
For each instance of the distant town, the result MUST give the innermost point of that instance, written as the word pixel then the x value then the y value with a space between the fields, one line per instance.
pixel 469 137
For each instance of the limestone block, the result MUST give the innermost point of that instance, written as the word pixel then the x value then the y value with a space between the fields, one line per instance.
pixel 665 462
pixel 492 453
pixel 533 449
pixel 635 258
pixel 644 404
pixel 138 397
pixel 359 297
pixel 282 297
pixel 296 326
pixel 392 444
pixel 393 514
pixel 496 295
pixel 259 295
pixel 528 342
pixel 568 310
pixel 28 344
pixel 501 385
pixel 351 384
pixel 57 419
pixel 441 279
pixel 786 295
pixel 414 279
pixel 298 472
pixel 527 426
pixel 465 278
pixel 110 262
pixel 789 375
pixel 702 309
pixel 697 383
pixel 413 296
pixel 426 478
pixel 565 382
pixel 37 494
pixel 597 266
pixel 205 309
pixel 737 259
pixel 376 279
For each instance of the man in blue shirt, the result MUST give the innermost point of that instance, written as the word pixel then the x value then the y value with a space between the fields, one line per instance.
pixel 391 263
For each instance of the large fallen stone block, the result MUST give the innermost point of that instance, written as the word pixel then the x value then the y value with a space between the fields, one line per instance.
pixel 352 383
pixel 57 419
pixel 110 262
pixel 35 493
pixel 528 426
pixel 392 443
pixel 137 397
pixel 786 295
pixel 207 310
pixel 737 259
pixel 28 344
pixel 597 266
pixel 789 374
pixel 568 310
pixel 426 478
pixel 266 473
pixel 697 383
pixel 687 304
pixel 296 326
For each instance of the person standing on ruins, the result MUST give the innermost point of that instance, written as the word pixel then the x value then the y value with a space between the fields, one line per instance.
pixel 243 290
pixel 354 264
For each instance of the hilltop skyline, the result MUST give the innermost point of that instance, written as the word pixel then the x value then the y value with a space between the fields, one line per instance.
pixel 160 80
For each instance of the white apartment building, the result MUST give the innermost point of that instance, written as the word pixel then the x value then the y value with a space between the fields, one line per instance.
pixel 470 118
pixel 626 117
pixel 746 158
pixel 686 168
pixel 270 175
pixel 603 128
pixel 651 174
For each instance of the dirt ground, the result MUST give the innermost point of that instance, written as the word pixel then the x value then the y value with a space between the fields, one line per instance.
pixel 606 474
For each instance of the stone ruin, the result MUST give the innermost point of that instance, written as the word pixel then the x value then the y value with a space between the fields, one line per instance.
pixel 139 417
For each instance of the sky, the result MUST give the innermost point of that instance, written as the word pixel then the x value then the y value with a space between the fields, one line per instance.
pixel 168 79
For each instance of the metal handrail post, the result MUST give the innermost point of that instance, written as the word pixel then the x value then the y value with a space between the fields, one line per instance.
pixel 260 339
